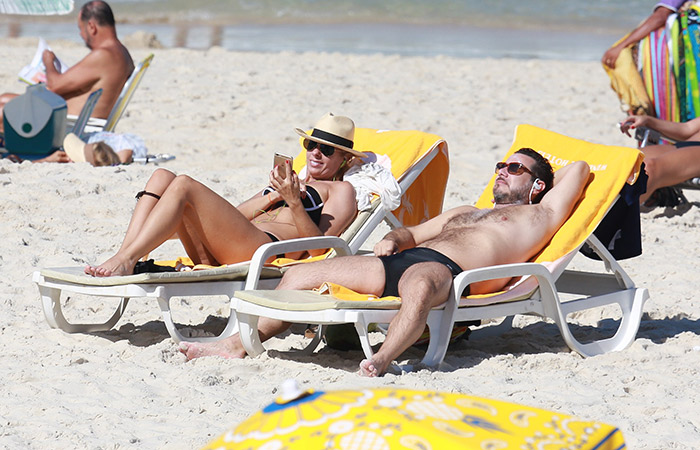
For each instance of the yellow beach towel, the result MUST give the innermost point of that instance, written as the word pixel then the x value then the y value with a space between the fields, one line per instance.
pixel 626 81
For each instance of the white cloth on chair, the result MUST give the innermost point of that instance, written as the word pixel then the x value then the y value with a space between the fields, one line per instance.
pixel 373 178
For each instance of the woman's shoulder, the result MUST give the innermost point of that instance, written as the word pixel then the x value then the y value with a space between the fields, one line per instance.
pixel 333 188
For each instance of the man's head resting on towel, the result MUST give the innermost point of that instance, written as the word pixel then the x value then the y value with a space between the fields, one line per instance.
pixel 523 179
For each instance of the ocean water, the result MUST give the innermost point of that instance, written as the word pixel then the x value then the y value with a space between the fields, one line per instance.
pixel 560 29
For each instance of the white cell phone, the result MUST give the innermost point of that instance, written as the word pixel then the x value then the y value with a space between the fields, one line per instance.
pixel 280 159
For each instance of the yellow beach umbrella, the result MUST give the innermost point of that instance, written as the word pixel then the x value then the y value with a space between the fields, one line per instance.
pixel 386 418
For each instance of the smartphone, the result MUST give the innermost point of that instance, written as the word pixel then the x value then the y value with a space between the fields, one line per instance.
pixel 280 159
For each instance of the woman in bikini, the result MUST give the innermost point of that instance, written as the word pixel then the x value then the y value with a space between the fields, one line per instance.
pixel 668 164
pixel 215 232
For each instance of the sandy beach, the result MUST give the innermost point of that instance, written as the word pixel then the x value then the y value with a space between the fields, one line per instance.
pixel 224 114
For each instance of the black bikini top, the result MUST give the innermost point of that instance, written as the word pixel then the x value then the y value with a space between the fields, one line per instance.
pixel 313 203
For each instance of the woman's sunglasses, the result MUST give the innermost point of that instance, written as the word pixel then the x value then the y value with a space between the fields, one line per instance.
pixel 514 168
pixel 326 149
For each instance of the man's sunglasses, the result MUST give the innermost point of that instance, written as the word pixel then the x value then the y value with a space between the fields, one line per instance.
pixel 326 149
pixel 514 168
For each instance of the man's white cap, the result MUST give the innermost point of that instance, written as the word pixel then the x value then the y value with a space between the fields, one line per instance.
pixel 74 147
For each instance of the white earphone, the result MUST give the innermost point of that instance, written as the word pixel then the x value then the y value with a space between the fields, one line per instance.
pixel 532 189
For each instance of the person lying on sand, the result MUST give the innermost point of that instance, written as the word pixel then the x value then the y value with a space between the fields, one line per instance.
pixel 418 263
pixel 215 232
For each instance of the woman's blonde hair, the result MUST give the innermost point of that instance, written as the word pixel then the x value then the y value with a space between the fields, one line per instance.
pixel 105 155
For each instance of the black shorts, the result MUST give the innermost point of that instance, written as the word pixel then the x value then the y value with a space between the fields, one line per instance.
pixel 395 265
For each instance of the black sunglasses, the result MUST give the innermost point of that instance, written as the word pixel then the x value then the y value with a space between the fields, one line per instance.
pixel 514 168
pixel 326 149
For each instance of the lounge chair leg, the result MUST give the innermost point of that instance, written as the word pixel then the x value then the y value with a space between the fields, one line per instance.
pixel 248 332
pixel 313 345
pixel 631 303
pixel 361 327
pixel 51 301
pixel 164 303
pixel 440 328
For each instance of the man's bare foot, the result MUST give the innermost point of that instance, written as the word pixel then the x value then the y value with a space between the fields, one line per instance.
pixel 225 348
pixel 370 368
pixel 114 266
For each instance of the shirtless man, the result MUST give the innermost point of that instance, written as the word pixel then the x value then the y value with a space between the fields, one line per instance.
pixel 418 263
pixel 107 66
pixel 668 164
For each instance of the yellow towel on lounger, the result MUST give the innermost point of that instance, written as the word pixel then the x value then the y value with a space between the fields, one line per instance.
pixel 343 293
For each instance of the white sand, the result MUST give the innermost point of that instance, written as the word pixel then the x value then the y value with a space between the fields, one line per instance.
pixel 224 114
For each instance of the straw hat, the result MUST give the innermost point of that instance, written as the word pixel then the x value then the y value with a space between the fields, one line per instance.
pixel 74 147
pixel 338 131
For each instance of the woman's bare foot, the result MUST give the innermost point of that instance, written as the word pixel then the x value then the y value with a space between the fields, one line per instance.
pixel 114 266
pixel 225 348
pixel 370 368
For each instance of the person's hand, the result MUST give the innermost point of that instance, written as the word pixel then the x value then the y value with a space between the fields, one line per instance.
pixel 632 122
pixel 610 57
pixel 48 58
pixel 288 185
pixel 385 247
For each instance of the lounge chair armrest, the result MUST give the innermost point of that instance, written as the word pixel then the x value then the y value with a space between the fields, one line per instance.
pixel 468 277
pixel 292 245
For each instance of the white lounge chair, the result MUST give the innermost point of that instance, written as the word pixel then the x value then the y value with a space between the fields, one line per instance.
pixel 420 164
pixel 538 293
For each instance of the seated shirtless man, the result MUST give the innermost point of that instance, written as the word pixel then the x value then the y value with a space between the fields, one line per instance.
pixel 418 263
pixel 107 66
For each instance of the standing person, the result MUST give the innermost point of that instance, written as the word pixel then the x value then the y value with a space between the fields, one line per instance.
pixel 418 263
pixel 662 10
pixel 107 66
pixel 215 232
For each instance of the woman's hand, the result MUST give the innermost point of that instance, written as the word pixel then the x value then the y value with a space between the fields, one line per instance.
pixel 632 122
pixel 286 183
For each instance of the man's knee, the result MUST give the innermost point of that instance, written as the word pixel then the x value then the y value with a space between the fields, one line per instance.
pixel 426 284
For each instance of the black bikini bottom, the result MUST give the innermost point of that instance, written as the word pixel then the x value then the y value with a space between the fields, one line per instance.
pixel 682 144
pixel 395 265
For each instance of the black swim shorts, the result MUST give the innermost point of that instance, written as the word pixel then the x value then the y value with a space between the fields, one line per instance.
pixel 395 265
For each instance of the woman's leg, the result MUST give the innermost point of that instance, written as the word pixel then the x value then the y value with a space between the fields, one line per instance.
pixel 157 184
pixel 668 168
pixel 217 226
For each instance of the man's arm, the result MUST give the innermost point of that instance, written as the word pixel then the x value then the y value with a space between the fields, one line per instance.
pixel 677 131
pixel 569 182
pixel 79 78
pixel 409 237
